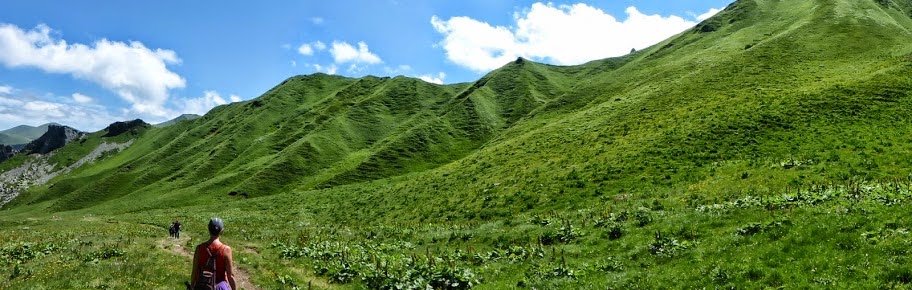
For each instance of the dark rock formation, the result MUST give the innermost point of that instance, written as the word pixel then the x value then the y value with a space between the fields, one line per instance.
pixel 7 152
pixel 56 137
pixel 118 128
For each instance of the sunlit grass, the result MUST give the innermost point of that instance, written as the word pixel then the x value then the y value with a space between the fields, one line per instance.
pixel 766 148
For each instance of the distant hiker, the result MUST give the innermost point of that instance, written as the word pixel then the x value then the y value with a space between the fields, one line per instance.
pixel 177 229
pixel 212 262
pixel 171 230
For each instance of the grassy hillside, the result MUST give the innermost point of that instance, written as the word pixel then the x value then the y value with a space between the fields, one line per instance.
pixel 184 117
pixel 22 134
pixel 12 140
pixel 766 147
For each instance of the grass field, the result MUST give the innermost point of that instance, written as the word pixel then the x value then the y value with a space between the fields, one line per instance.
pixel 767 147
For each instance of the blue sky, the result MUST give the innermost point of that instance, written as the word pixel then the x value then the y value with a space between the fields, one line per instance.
pixel 89 63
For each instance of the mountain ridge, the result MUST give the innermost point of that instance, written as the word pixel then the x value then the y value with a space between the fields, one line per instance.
pixel 766 143
pixel 481 110
pixel 181 118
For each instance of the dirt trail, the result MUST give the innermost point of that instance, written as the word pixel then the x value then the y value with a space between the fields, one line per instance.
pixel 176 246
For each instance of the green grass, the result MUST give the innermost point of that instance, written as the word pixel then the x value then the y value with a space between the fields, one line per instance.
pixel 22 134
pixel 13 139
pixel 767 147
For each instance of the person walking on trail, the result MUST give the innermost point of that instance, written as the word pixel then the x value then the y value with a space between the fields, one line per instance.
pixel 177 229
pixel 213 265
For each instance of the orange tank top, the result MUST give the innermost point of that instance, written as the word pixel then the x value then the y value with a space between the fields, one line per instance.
pixel 217 249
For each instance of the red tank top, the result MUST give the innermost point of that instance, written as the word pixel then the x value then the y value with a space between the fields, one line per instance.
pixel 217 249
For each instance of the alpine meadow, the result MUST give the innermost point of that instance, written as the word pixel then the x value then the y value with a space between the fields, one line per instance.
pixel 770 146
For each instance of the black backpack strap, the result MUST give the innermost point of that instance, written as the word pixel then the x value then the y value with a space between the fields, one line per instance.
pixel 214 259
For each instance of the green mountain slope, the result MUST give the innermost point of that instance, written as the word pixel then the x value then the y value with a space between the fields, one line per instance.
pixel 184 117
pixel 321 131
pixel 766 147
pixel 10 140
pixel 22 134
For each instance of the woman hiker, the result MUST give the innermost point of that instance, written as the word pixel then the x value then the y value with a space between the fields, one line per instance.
pixel 212 261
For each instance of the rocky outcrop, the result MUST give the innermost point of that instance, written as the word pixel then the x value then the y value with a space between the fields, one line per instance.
pixel 56 137
pixel 7 152
pixel 38 171
pixel 118 128
pixel 18 179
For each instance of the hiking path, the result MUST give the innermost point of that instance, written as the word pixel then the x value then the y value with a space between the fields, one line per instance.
pixel 176 246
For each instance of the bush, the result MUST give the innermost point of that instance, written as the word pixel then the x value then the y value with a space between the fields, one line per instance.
pixel 615 232
pixel 642 217
pixel 610 264
pixel 665 246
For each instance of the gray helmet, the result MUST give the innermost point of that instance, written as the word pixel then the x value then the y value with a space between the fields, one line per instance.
pixel 216 226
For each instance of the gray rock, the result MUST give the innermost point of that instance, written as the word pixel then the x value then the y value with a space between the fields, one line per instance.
pixel 7 152
pixel 56 137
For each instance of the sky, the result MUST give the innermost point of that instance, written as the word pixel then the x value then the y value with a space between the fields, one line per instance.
pixel 87 64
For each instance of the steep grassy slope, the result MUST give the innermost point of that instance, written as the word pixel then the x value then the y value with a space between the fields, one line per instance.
pixel 766 147
pixel 747 101
pixel 315 132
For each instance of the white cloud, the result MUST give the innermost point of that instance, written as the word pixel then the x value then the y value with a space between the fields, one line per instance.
pixel 294 63
pixel 561 34
pixel 82 99
pixel 330 69
pixel 319 45
pixel 343 52
pixel 26 110
pixel 438 79
pixel 9 102
pixel 135 73
pixel 356 69
pixel 202 105
pixel 712 12
pixel 6 90
pixel 52 108
pixel 402 68
pixel 353 60
pixel 476 45
pixel 316 20
pixel 306 49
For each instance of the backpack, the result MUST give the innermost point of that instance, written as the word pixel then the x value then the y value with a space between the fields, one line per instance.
pixel 207 277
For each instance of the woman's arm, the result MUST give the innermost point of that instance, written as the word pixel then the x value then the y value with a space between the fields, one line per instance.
pixel 230 267
pixel 194 276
